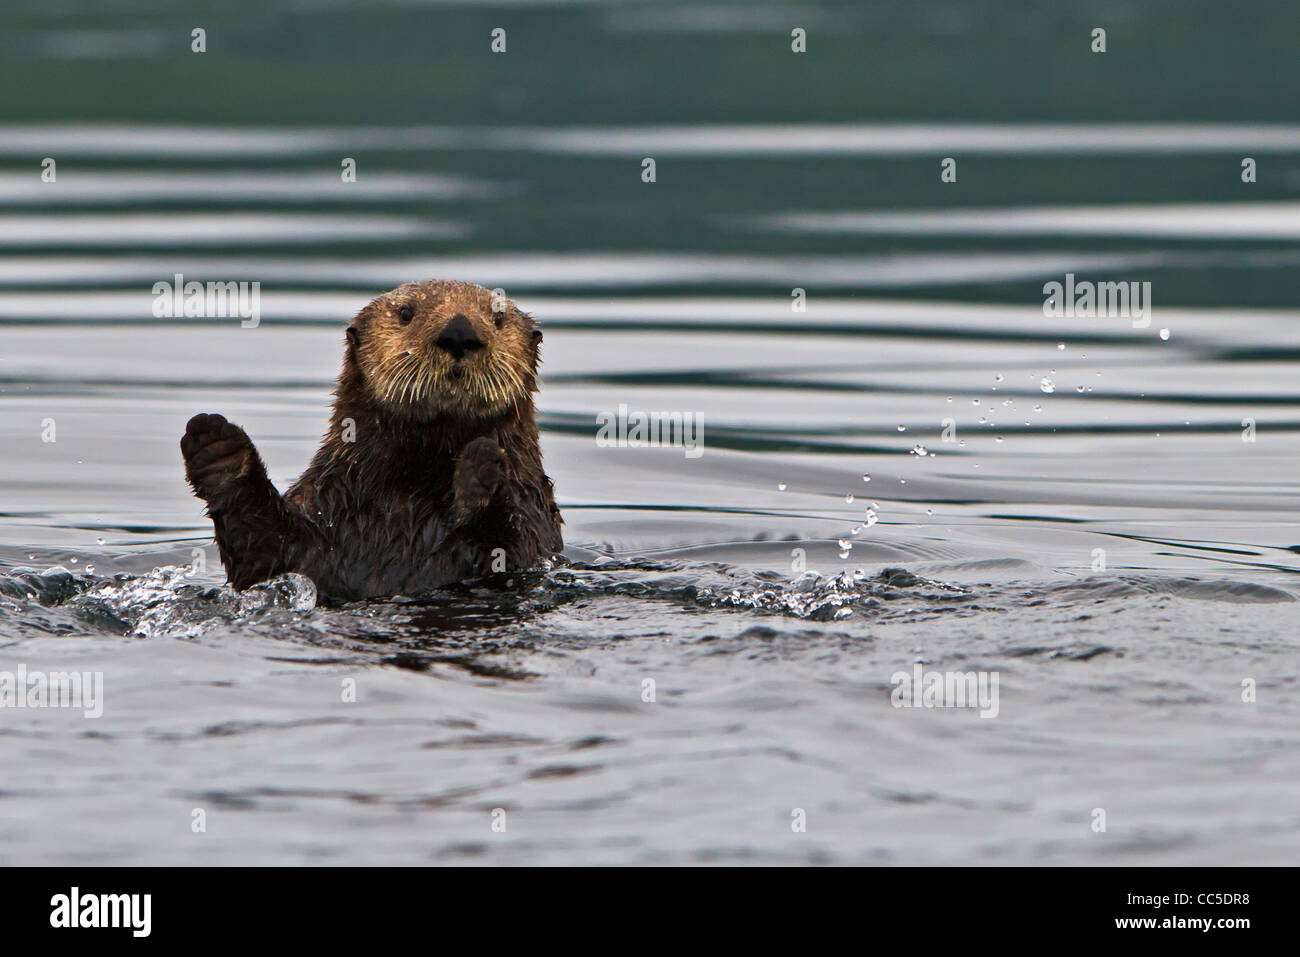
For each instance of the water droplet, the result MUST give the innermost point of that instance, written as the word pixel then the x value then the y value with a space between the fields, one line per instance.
pixel 780 487
pixel 90 569
pixel 1078 388
pixel 999 438
pixel 866 476
pixel 1164 334
pixel 920 450
pixel 902 428
pixel 871 518
pixel 1060 345
pixel 1047 385
pixel 929 511
pixel 849 498
pixel 998 377
pixel 982 420
pixel 99 541
pixel 1038 408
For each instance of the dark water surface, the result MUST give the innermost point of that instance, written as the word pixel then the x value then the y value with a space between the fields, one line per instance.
pixel 1112 528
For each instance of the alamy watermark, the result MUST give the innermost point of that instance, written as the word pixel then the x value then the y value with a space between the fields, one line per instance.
pixel 53 689
pixel 1092 300
pixel 211 300
pixel 638 430
pixel 130 911
pixel 946 689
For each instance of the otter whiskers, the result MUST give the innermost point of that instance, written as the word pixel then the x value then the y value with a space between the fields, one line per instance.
pixel 495 382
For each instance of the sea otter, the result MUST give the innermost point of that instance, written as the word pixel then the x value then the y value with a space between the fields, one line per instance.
pixel 430 473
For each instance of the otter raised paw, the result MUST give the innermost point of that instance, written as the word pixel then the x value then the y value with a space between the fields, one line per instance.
pixel 480 475
pixel 217 453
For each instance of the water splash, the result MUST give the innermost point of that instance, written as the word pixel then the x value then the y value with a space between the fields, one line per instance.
pixel 168 603
pixel 829 598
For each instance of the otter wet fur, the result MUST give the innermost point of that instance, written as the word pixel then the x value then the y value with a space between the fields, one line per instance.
pixel 430 465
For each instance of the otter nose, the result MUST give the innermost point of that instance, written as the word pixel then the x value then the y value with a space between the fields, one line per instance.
pixel 458 337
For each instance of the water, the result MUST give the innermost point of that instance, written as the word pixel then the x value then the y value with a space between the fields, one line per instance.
pixel 1093 524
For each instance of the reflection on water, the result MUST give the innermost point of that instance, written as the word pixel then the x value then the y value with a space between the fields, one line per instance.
pixel 1191 221
pixel 1105 512
pixel 711 140
pixel 207 229
pixel 99 188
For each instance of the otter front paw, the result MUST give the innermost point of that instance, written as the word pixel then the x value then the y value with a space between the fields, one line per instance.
pixel 217 454
pixel 480 474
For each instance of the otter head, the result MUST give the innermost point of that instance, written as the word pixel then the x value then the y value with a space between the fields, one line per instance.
pixel 445 348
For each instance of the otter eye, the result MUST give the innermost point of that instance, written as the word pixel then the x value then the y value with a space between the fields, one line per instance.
pixel 537 335
pixel 500 319
pixel 405 314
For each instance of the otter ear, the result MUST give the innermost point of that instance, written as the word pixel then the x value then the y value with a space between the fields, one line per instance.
pixel 354 327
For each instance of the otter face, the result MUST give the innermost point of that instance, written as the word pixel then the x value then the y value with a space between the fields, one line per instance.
pixel 431 348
